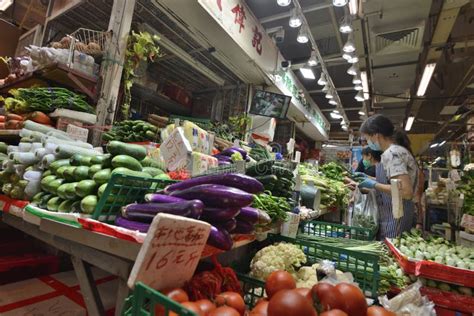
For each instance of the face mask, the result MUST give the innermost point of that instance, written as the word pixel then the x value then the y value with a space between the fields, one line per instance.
pixel 373 146
pixel 366 163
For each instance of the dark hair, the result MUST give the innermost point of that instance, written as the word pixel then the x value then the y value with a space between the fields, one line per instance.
pixel 401 138
pixel 377 155
pixel 378 124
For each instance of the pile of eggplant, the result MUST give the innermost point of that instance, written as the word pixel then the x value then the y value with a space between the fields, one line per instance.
pixel 221 200
pixel 229 155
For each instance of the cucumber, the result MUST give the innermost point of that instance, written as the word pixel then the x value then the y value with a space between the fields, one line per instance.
pixel 261 168
pixel 126 162
pixel 102 176
pixel 66 206
pixel 86 161
pixel 119 148
pixel 58 163
pixel 93 169
pixel 103 160
pixel 53 186
pixel 68 173
pixel 60 171
pixel 53 204
pixel 46 173
pixel 86 187
pixel 61 191
pixel 128 172
pixel 75 160
pixel 267 179
pixel 81 173
pixel 150 162
pixel 152 171
pixel 70 191
pixel 88 204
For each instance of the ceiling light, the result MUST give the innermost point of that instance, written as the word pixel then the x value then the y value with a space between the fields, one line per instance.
pixel 425 79
pixel 365 84
pixel 336 116
pixel 352 70
pixel 302 36
pixel 326 88
pixel 353 60
pixel 358 87
pixel 346 25
pixel 359 97
pixel 347 56
pixel 356 80
pixel 353 6
pixel 442 143
pixel 409 124
pixel 349 46
pixel 345 128
pixel 335 111
pixel 434 145
pixel 322 80
pixel 333 102
pixel 343 123
pixel 295 19
pixel 313 60
pixel 307 73
pixel 5 4
pixel 329 95
pixel 339 3
pixel 361 113
pixel 283 3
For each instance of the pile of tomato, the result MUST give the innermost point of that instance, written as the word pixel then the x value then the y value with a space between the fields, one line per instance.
pixel 283 299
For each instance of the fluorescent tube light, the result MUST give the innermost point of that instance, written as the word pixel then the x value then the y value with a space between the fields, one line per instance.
pixel 307 73
pixel 409 124
pixel 425 79
pixel 365 84
pixel 353 6
pixel 434 145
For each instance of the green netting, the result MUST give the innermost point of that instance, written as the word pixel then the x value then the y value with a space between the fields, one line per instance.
pixel 122 190
pixel 323 229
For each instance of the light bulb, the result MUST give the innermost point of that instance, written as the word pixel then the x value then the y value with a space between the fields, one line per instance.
pixel 349 46
pixel 326 88
pixel 353 60
pixel 313 61
pixel 359 96
pixel 356 80
pixel 347 56
pixel 302 36
pixel 346 25
pixel 335 111
pixel 283 3
pixel 358 87
pixel 322 80
pixel 295 19
pixel 333 102
pixel 361 113
pixel 352 70
pixel 329 95
pixel 339 3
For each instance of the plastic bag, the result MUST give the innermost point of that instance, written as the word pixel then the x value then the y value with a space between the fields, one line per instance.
pixel 409 302
pixel 365 211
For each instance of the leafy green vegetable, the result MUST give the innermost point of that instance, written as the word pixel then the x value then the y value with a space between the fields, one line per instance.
pixel 276 207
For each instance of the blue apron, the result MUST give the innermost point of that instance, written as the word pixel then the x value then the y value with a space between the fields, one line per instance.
pixel 388 226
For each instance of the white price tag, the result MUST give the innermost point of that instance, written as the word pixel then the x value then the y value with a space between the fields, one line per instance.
pixel 175 149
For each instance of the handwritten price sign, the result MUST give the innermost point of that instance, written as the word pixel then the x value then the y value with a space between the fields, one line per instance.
pixel 174 150
pixel 170 252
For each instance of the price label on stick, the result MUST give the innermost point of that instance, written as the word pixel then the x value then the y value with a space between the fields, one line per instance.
pixel 170 253
pixel 174 150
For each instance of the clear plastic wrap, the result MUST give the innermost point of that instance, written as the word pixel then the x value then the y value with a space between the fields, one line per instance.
pixel 365 212
pixel 409 302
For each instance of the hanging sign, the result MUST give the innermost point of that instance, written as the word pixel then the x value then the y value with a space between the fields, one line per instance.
pixel 170 253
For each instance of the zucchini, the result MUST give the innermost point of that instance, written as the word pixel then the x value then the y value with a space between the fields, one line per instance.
pixel 86 187
pixel 70 191
pixel 86 161
pixel 61 191
pixel 53 204
pixel 88 204
pixel 104 160
pixel 65 206
pixel 119 148
pixel 128 172
pixel 46 180
pixel 152 171
pixel 150 162
pixel 162 176
pixel 76 160
pixel 93 169
pixel 81 173
pixel 53 186
pixel 46 173
pixel 101 189
pixel 126 162
pixel 37 197
pixel 60 171
pixel 58 163
pixel 68 173
pixel 102 176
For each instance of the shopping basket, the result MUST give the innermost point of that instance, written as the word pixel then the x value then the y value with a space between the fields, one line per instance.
pixel 323 229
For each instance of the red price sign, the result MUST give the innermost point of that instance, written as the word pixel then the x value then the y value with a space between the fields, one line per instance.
pixel 170 252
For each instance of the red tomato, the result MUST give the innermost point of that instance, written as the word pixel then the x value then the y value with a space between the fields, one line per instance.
pixel 353 298
pixel 177 295
pixel 277 281
pixel 261 309
pixel 326 297
pixel 224 311
pixel 193 307
pixel 206 306
pixel 231 299
pixel 334 312
pixel 290 302
pixel 379 311
pixel 306 292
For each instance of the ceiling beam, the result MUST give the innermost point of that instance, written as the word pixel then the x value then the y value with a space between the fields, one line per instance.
pixel 338 89
pixel 287 14
pixel 345 109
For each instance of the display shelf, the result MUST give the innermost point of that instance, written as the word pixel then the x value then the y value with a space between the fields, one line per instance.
pixel 152 97
pixel 58 73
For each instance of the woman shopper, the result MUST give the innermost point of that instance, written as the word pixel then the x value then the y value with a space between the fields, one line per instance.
pixel 397 163
pixel 370 158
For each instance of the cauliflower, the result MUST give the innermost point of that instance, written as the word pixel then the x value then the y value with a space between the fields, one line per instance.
pixel 306 277
pixel 281 256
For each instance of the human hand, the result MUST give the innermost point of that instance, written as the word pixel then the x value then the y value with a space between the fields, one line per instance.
pixel 367 184
pixel 360 175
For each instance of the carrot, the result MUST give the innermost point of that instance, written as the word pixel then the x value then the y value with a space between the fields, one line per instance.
pixel 40 117
pixel 14 117
pixel 12 124
pixel 2 118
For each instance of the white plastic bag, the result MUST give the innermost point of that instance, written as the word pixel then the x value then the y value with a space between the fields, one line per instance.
pixel 409 302
pixel 365 211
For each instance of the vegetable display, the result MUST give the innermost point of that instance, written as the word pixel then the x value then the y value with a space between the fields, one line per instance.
pixel 132 131
pixel 275 177
pixel 333 170
pixel 275 207
pixel 467 188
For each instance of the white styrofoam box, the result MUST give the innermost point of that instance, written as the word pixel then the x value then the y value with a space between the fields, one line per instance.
pixel 263 126
pixel 289 228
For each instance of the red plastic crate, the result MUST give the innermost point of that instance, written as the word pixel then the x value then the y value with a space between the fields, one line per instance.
pixel 452 301
pixel 433 270
pixel 440 311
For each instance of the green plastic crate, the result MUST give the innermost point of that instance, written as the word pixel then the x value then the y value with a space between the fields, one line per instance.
pixel 144 300
pixel 253 289
pixel 323 229
pixel 122 190
pixel 364 267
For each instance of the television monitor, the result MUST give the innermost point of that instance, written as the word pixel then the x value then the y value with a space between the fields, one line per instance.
pixel 270 104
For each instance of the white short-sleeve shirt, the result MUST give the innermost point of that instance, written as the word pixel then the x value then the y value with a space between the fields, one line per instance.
pixel 397 160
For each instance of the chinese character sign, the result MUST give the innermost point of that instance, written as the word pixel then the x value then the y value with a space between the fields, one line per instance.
pixel 239 12
pixel 170 253
pixel 257 40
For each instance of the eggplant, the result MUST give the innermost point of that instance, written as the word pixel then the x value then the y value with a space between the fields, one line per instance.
pixel 232 150
pixel 215 195
pixel 254 216
pixel 132 225
pixel 145 212
pixel 223 158
pixel 220 238
pixel 223 163
pixel 234 180
pixel 243 227
pixel 217 214
pixel 228 225
pixel 161 198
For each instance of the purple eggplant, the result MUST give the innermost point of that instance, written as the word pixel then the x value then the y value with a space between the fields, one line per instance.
pixel 228 225
pixel 220 238
pixel 234 180
pixel 161 198
pixel 217 214
pixel 243 227
pixel 215 195
pixel 223 158
pixel 223 163
pixel 254 216
pixel 145 212
pixel 232 150
pixel 132 225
